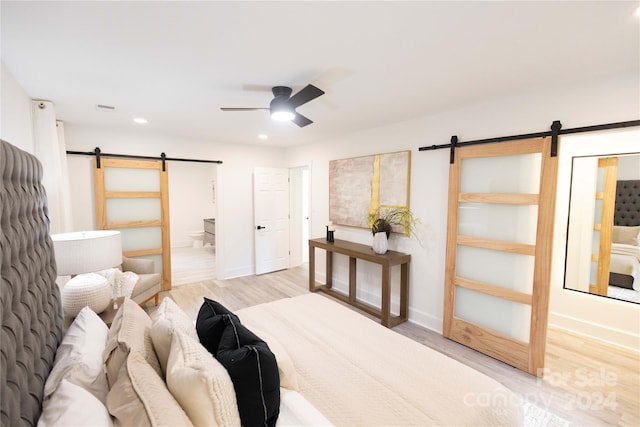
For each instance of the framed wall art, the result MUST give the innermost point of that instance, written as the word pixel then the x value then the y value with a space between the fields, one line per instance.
pixel 360 185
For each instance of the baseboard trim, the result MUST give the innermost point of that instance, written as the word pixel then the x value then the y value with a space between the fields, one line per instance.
pixel 236 272
pixel 416 316
pixel 595 331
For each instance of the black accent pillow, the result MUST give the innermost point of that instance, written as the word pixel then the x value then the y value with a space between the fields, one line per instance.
pixel 254 372
pixel 210 325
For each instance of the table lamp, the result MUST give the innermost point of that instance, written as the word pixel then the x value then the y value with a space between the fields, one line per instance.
pixel 83 252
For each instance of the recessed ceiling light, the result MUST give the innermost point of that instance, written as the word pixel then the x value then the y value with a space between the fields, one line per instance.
pixel 638 12
pixel 140 120
pixel 263 136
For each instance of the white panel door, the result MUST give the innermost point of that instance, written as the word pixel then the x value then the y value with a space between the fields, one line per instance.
pixel 271 219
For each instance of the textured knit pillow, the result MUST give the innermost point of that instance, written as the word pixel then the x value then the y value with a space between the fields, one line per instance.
pixel 168 319
pixel 79 356
pixel 200 384
pixel 210 324
pixel 130 333
pixel 254 372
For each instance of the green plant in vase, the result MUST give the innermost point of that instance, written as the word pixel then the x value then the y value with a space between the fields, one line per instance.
pixel 386 218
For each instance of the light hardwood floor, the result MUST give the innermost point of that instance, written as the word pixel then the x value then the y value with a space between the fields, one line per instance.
pixel 588 383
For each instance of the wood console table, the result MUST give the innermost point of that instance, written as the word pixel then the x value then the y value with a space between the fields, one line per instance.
pixel 357 251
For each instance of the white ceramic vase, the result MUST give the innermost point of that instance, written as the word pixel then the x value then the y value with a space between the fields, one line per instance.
pixel 380 243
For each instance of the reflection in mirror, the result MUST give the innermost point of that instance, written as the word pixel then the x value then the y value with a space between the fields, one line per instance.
pixel 603 236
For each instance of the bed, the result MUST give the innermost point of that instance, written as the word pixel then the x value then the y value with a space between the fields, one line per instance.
pixel 334 366
pixel 624 271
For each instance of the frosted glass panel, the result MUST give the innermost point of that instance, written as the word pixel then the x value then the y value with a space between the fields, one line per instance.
pixel 126 179
pixel 597 212
pixel 593 273
pixel 133 209
pixel 513 223
pixel 508 317
pixel 600 179
pixel 595 243
pixel 512 271
pixel 141 238
pixel 506 174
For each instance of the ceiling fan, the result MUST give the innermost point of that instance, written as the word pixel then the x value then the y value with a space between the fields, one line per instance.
pixel 283 106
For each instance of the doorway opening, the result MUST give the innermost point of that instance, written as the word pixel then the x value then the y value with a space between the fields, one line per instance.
pixel 193 209
pixel 300 200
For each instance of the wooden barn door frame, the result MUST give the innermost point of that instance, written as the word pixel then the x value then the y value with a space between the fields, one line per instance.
pixel 527 356
pixel 101 196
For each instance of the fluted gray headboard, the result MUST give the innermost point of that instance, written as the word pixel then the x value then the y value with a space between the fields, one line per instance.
pixel 30 307
pixel 627 211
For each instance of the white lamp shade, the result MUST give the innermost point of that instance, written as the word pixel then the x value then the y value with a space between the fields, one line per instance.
pixel 87 251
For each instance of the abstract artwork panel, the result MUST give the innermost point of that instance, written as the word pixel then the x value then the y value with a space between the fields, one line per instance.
pixel 360 185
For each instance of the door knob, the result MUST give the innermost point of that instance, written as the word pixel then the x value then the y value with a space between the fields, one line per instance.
pixel 260 227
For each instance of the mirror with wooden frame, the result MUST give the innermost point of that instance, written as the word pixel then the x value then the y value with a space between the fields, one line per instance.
pixel 603 233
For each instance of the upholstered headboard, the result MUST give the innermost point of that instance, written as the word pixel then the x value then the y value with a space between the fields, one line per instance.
pixel 30 307
pixel 627 211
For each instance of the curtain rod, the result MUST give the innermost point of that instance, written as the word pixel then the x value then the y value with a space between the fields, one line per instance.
pixel 163 157
pixel 556 129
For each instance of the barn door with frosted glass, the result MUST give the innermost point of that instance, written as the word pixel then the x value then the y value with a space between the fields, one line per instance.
pixel 132 196
pixel 499 239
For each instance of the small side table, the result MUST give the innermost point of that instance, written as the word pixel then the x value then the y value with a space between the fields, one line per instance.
pixel 356 251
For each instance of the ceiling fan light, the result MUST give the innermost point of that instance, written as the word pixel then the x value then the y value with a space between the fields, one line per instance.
pixel 282 115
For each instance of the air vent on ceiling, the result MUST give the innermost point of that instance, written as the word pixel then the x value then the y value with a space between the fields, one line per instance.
pixel 103 107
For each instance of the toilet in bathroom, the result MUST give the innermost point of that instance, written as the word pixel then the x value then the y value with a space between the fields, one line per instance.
pixel 198 238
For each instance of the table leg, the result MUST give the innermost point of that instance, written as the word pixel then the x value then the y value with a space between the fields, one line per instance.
pixel 312 268
pixel 329 271
pixel 385 309
pixel 352 280
pixel 404 291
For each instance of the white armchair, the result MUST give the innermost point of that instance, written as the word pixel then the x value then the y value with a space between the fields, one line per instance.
pixel 149 283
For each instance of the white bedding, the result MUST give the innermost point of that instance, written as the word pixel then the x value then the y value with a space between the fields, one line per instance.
pixel 296 411
pixel 625 259
pixel 356 372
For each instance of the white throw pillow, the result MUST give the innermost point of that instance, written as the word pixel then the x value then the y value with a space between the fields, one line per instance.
pixel 168 319
pixel 200 384
pixel 72 405
pixel 79 356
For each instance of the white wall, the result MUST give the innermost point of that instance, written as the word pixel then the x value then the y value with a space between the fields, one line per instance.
pixel 15 112
pixel 234 218
pixel 607 100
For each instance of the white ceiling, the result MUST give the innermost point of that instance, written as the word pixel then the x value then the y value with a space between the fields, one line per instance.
pixel 177 63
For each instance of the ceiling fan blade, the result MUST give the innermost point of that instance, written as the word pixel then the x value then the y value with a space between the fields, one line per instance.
pixel 305 95
pixel 301 120
pixel 241 109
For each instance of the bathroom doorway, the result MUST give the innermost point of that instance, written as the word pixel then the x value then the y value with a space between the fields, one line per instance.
pixel 192 200
pixel 299 202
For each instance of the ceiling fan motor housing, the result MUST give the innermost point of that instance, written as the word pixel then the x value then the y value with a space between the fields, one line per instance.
pixel 279 102
pixel 281 92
